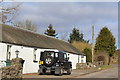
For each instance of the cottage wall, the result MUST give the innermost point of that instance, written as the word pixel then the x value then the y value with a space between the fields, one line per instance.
pixel 26 53
pixel 76 59
pixel 3 50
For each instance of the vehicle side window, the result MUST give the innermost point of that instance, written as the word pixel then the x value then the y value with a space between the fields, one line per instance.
pixel 65 56
pixel 56 55
pixel 50 54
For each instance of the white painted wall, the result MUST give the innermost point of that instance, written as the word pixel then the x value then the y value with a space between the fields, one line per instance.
pixel 27 54
pixel 3 50
pixel 74 59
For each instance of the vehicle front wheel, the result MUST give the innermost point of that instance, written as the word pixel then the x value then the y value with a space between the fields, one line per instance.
pixel 52 72
pixel 69 71
pixel 41 72
pixel 60 72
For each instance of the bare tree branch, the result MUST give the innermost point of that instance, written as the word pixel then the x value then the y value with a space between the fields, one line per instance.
pixel 8 12
pixel 28 25
pixel 64 36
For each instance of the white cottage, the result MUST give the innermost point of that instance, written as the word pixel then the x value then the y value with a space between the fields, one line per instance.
pixel 30 45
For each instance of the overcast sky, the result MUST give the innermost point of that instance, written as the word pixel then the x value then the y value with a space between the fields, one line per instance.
pixel 66 15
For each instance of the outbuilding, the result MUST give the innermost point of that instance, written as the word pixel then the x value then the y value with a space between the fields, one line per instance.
pixel 30 45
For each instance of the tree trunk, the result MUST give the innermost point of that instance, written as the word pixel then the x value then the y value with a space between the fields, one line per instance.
pixel 110 60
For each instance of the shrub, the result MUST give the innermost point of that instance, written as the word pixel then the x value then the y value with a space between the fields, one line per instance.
pixel 88 53
pixel 81 45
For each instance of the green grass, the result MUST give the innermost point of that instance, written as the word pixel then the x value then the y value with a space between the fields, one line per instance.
pixel 105 66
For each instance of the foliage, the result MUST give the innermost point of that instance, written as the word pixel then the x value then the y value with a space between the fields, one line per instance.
pixel 105 42
pixel 105 67
pixel 81 45
pixel 28 25
pixel 76 36
pixel 88 53
pixel 50 31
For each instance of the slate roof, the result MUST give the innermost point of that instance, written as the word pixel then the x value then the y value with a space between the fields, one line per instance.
pixel 22 37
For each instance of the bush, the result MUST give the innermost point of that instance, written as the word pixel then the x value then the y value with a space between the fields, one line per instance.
pixel 88 53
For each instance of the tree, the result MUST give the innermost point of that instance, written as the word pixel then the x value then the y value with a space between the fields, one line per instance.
pixel 76 36
pixel 88 53
pixel 8 12
pixel 105 42
pixel 50 31
pixel 28 25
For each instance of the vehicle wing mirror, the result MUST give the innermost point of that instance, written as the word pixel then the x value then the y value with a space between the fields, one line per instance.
pixel 68 58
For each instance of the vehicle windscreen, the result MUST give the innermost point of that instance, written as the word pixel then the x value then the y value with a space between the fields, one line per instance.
pixel 48 53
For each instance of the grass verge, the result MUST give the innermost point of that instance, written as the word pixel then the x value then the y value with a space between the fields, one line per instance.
pixel 105 67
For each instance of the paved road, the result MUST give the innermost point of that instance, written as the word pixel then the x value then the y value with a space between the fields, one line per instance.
pixel 109 73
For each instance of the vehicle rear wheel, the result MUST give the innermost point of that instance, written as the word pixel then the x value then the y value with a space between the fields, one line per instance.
pixel 43 71
pixel 69 71
pixel 60 72
pixel 52 72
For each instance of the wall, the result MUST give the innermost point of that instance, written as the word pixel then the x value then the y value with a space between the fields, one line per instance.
pixel 26 53
pixel 76 59
pixel 3 49
pixel 89 65
pixel 14 71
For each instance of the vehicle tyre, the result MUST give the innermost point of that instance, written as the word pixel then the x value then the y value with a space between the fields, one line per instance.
pixel 60 72
pixel 49 61
pixel 40 73
pixel 52 72
pixel 69 71
pixel 43 71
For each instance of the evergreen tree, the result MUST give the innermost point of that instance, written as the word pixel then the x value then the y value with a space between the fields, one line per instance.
pixel 50 31
pixel 76 36
pixel 105 42
pixel 88 53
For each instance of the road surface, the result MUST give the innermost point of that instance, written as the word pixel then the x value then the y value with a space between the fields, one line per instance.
pixel 109 73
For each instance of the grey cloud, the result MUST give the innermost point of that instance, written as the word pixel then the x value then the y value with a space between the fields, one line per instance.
pixel 64 16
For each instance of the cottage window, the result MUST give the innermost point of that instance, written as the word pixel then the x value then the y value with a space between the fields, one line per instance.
pixel 34 54
pixel 82 61
pixel 82 56
pixel 8 52
pixel 65 56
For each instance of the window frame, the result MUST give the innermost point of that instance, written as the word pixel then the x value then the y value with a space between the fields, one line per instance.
pixel 8 56
pixel 34 54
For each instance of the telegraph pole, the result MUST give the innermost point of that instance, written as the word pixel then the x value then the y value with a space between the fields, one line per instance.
pixel 92 43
